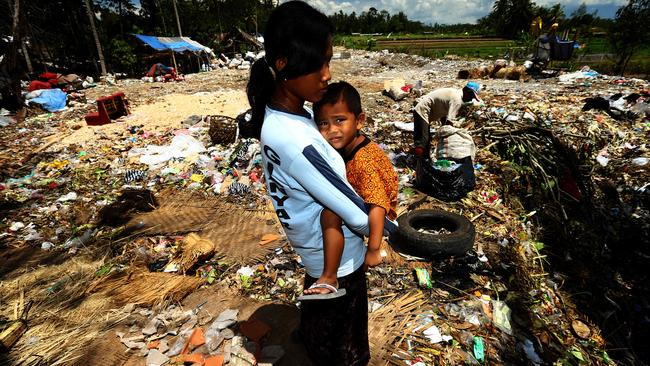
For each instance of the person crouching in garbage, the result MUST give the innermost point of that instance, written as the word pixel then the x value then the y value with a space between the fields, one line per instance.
pixel 448 173
pixel 441 105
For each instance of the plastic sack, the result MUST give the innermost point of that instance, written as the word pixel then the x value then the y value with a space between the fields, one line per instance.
pixel 446 185
pixel 454 143
pixel 562 50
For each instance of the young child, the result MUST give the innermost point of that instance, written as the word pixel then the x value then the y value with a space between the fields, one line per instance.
pixel 339 119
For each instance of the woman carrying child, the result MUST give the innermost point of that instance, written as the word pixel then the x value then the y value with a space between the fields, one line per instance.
pixel 304 174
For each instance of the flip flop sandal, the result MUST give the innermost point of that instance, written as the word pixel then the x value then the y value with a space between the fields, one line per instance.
pixel 335 293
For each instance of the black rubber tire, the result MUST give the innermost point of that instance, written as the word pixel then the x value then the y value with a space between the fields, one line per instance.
pixel 408 240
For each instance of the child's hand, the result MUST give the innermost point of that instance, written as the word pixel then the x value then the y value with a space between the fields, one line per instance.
pixel 373 258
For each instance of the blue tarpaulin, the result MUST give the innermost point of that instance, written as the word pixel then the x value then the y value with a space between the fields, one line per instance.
pixel 176 44
pixel 52 100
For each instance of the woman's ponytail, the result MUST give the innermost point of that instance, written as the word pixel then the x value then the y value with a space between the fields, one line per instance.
pixel 261 85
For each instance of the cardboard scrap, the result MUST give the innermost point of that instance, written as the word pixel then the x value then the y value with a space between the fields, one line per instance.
pixel 268 238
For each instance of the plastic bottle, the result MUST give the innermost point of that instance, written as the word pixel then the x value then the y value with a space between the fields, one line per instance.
pixel 81 240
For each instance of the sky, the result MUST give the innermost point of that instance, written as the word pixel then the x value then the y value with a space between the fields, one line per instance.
pixel 453 11
pixel 450 11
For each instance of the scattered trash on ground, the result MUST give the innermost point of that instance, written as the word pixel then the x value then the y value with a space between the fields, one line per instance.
pixel 138 213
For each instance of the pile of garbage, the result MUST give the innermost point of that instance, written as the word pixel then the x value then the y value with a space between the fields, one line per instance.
pixel 51 91
pixel 239 61
pixel 541 158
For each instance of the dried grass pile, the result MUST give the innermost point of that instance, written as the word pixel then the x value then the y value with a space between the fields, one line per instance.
pixel 63 318
pixel 145 288
pixel 389 326
pixel 217 226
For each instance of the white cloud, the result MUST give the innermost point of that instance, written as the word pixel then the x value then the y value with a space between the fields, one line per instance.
pixel 578 2
pixel 452 11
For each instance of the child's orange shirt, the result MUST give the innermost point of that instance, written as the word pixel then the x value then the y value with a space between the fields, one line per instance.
pixel 372 176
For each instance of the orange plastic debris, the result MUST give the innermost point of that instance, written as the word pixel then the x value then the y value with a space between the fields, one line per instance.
pixel 254 329
pixel 269 238
pixel 214 361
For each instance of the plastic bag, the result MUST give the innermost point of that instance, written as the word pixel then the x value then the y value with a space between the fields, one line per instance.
pixel 454 143
pixel 446 185
pixel 182 146
pixel 246 128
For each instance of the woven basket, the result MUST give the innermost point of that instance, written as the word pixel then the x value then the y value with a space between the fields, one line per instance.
pixel 223 129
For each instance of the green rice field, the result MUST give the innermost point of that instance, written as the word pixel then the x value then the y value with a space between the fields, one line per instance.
pixel 594 51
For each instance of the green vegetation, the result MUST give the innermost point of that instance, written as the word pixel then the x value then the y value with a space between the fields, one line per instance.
pixel 629 35
pixel 439 45
pixel 374 21
pixel 595 50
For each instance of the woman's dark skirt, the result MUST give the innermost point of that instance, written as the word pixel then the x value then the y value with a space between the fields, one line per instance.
pixel 335 331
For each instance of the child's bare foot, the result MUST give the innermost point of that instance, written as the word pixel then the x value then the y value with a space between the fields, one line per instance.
pixel 323 289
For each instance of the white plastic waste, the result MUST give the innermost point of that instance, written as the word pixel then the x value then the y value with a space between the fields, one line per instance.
pixel 182 146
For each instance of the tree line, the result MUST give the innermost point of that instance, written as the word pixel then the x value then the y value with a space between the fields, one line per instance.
pixel 375 21
pixel 58 32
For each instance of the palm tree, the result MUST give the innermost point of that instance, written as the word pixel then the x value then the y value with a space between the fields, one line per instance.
pixel 178 22
pixel 97 44
pixel 10 71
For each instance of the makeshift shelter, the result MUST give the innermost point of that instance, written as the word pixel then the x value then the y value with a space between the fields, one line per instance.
pixel 180 45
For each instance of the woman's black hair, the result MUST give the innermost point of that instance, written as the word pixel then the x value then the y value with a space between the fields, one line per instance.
pixel 340 91
pixel 298 32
